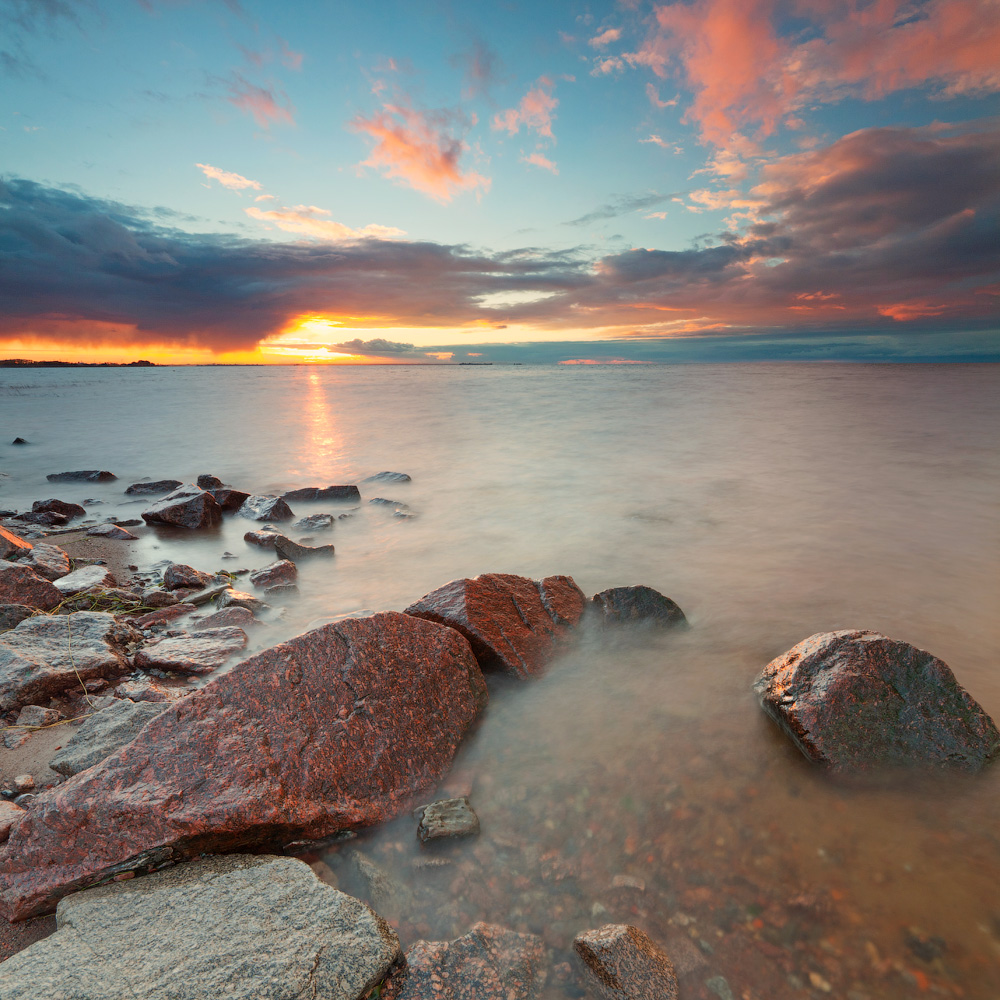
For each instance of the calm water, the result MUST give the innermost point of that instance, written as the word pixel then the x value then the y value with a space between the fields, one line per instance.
pixel 770 502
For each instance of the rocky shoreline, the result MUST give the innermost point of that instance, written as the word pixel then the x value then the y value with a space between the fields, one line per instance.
pixel 331 732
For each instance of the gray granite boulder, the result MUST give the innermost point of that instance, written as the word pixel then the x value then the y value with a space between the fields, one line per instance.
pixel 186 507
pixel 200 653
pixel 48 561
pixel 83 579
pixel 264 508
pixel 103 733
pixel 626 964
pixel 20 584
pixel 47 654
pixel 240 927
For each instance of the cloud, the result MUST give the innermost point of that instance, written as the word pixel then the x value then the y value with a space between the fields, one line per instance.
pixel 265 107
pixel 305 219
pixel 606 37
pixel 654 98
pixel 535 111
pixel 234 182
pixel 422 149
pixel 538 160
pixel 621 205
pixel 605 67
pixel 377 347
pixel 481 67
pixel 658 141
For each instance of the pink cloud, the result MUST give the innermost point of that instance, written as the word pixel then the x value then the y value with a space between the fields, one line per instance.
pixel 291 58
pixel 307 220
pixel 541 161
pixel 605 67
pixel 234 182
pixel 420 149
pixel 654 97
pixel 260 102
pixel 534 112
pixel 606 37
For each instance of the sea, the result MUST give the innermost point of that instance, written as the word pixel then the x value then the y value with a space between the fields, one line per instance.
pixel 638 781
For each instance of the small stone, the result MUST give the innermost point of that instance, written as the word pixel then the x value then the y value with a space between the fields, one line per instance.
pixel 68 510
pixel 238 598
pixel 37 715
pixel 632 605
pixel 281 590
pixel 265 508
pixel 237 616
pixel 155 597
pixel 160 486
pixel 274 574
pixel 314 522
pixel 628 882
pixel 295 552
pixel 19 440
pixel 24 782
pixel 265 539
pixel 86 476
pixel 447 818
pixel 146 689
pixel 387 477
pixel 626 963
pixel 49 561
pixel 324 493
pixel 382 502
pixel 115 531
pixel 199 653
pixel 209 482
pixel 163 615
pixel 180 575
pixel 83 579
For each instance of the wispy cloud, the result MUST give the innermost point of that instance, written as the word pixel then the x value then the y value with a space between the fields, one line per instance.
pixel 265 105
pixel 656 140
pixel 621 205
pixel 535 112
pixel 308 220
pixel 234 182
pixel 481 66
pixel 605 37
pixel 654 97
pixel 538 160
pixel 421 149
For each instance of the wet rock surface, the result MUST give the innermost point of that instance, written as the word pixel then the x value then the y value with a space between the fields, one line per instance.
pixel 335 729
pixel 194 653
pixel 151 489
pixel 240 617
pixel 387 477
pixel 84 476
pixel 263 508
pixel 20 584
pixel 206 481
pixel 348 492
pixel 447 818
pixel 513 623
pixel 296 552
pixel 314 522
pixel 626 964
pixel 635 605
pixel 68 510
pixel 186 507
pixel 46 654
pixel 857 699
pixel 488 963
pixel 84 578
pixel 113 531
pixel 230 598
pixel 240 927
pixel 274 574
pixel 230 499
pixel 102 734
pixel 179 575
pixel 264 539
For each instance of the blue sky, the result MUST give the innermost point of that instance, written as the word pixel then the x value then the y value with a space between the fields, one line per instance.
pixel 618 172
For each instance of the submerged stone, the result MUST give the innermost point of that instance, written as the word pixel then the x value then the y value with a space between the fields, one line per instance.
pixel 160 486
pixel 626 964
pixel 447 818
pixel 84 476
pixel 68 510
pixel 634 605
pixel 349 492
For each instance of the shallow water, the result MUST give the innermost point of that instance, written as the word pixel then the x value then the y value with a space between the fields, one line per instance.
pixel 770 502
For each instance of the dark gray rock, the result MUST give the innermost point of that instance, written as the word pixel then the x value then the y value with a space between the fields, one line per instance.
pixel 68 510
pixel 47 654
pixel 387 477
pixel 102 734
pixel 635 605
pixel 264 539
pixel 186 507
pixel 151 489
pixel 85 476
pixel 209 482
pixel 13 614
pixel 447 818
pixel 856 699
pixel 197 653
pixel 314 522
pixel 48 561
pixel 239 927
pixel 324 493
pixel 48 517
pixel 262 508
pixel 114 531
pixel 230 499
pixel 626 964
pixel 296 552
pixel 19 440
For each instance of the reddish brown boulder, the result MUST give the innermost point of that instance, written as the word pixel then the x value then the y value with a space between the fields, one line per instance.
pixel 336 729
pixel 181 575
pixel 209 482
pixel 192 654
pixel 626 963
pixel 69 510
pixel 20 584
pixel 857 699
pixel 230 499
pixel 635 605
pixel 274 574
pixel 513 623
pixel 49 561
pixel 488 963
pixel 12 546
pixel 186 507
pixel 296 552
pixel 162 615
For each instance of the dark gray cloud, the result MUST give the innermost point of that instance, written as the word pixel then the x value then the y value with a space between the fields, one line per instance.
pixel 377 347
pixel 621 205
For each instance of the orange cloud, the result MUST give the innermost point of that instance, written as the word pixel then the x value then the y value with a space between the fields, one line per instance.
pixel 654 98
pixel 534 112
pixel 304 219
pixel 903 311
pixel 234 182
pixel 541 161
pixel 420 150
pixel 259 102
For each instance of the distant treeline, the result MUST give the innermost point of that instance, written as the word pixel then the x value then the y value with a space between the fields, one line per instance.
pixel 23 363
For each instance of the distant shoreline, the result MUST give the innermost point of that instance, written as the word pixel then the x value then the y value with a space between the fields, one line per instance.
pixel 24 363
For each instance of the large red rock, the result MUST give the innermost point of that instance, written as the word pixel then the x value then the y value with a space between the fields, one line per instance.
pixel 337 728
pixel 187 507
pixel 856 699
pixel 20 584
pixel 513 623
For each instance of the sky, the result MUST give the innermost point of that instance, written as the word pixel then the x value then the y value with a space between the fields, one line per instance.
pixel 250 181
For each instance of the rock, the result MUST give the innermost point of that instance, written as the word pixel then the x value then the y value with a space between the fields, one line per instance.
pixel 24 782
pixel 155 597
pixel 68 510
pixel 13 614
pixel 261 508
pixel 102 734
pixel 488 963
pixel 513 623
pixel 323 493
pixel 86 476
pixel 631 605
pixel 12 546
pixel 20 584
pixel 314 522
pixel 294 551
pixel 180 575
pixel 207 482
pixel 447 818
pixel 719 985
pixel 160 486
pixel 83 579
pixel 148 689
pixel 382 502
pixel 29 716
pixel 230 499
pixel 48 517
pixel 49 561
pixel 241 927
pixel 47 654
pixel 115 531
pixel 626 963
pixel 237 598
pixel 281 590
pixel 856 699
pixel 162 615
pixel 274 574
pixel 379 886
pixel 335 729
pixel 19 440
pixel 192 654
pixel 10 815
pixel 265 539
pixel 186 507
pixel 237 616
pixel 387 477
pixel 215 591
